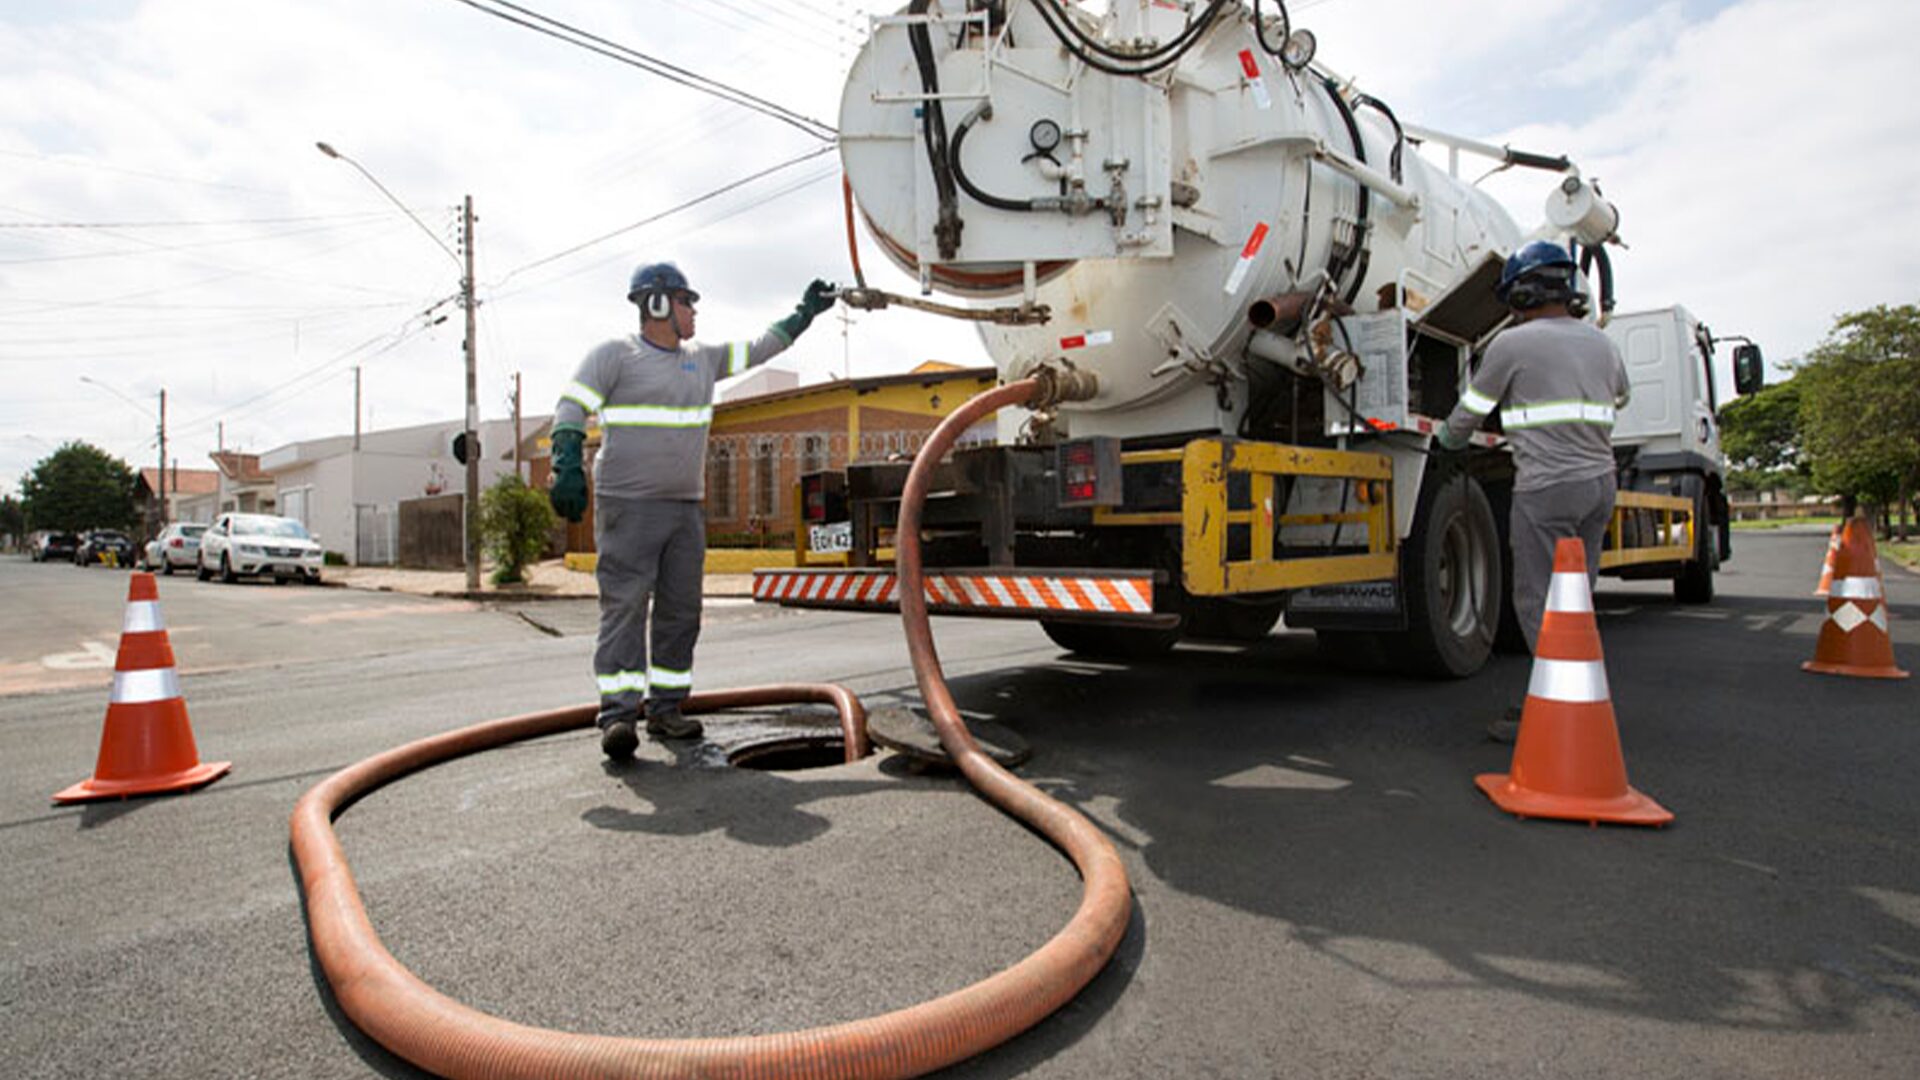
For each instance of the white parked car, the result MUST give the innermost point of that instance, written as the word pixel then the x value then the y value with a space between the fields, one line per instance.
pixel 178 545
pixel 250 544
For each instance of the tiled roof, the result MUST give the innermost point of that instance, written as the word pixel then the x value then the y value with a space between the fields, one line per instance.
pixel 184 481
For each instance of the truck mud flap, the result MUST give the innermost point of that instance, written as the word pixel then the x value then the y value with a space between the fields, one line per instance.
pixel 1361 605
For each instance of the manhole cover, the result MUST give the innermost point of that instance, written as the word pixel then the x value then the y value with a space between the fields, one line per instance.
pixel 907 732
pixel 790 754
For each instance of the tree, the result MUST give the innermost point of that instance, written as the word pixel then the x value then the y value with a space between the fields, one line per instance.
pixel 79 486
pixel 515 521
pixel 1860 408
pixel 13 518
pixel 1761 436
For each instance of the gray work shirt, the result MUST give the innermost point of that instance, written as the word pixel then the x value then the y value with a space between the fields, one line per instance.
pixel 1556 382
pixel 655 406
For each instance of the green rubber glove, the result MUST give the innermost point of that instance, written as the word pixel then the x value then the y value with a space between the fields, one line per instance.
pixel 569 492
pixel 818 298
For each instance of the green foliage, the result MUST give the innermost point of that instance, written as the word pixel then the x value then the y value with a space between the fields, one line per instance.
pixel 13 517
pixel 79 487
pixel 1761 436
pixel 1859 412
pixel 515 521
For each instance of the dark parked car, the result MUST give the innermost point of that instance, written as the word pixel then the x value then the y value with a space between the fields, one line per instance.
pixel 108 546
pixel 54 545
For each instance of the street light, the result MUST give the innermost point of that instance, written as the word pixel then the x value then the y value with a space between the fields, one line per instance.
pixel 470 436
pixel 160 476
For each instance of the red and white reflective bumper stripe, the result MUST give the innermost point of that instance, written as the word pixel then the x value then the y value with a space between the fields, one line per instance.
pixel 998 592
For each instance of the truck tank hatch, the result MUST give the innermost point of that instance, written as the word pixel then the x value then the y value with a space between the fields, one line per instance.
pixel 1469 311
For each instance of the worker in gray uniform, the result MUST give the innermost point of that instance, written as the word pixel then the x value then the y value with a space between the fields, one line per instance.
pixel 1557 382
pixel 654 394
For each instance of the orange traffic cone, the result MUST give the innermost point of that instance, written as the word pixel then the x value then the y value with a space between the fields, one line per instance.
pixel 1826 571
pixel 147 747
pixel 1567 762
pixel 1853 640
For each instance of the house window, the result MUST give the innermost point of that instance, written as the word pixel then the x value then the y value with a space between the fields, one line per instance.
pixel 813 453
pixel 720 483
pixel 766 477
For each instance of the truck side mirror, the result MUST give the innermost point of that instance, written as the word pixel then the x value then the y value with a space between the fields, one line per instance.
pixel 1749 370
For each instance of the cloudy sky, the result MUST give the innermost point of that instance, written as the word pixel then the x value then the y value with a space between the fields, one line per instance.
pixel 166 221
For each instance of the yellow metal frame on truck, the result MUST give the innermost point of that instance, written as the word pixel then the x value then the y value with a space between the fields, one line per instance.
pixel 1205 516
pixel 1673 512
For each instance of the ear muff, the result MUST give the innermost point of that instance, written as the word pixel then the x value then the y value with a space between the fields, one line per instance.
pixel 659 304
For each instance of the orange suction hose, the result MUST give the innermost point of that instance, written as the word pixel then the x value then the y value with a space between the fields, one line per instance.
pixel 443 1036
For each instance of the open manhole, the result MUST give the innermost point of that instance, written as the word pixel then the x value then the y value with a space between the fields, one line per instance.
pixel 790 754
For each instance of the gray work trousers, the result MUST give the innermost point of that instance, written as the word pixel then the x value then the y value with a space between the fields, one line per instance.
pixel 653 555
pixel 1540 518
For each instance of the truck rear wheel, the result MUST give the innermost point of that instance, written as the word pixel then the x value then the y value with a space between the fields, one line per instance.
pixel 1694 584
pixel 1450 577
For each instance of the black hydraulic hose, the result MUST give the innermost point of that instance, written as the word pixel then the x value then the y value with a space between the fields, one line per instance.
pixel 1091 51
pixel 1364 202
pixel 960 170
pixel 1399 136
pixel 1260 30
pixel 1595 255
pixel 933 129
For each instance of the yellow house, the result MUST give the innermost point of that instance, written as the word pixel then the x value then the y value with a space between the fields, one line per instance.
pixel 759 445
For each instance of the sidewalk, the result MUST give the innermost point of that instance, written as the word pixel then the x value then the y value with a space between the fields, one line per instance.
pixel 550 580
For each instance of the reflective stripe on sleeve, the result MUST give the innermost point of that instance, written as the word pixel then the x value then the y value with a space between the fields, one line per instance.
pixel 587 396
pixel 1578 681
pixel 1476 402
pixel 1557 412
pixel 736 357
pixel 621 682
pixel 142 687
pixel 669 679
pixel 143 616
pixel 661 416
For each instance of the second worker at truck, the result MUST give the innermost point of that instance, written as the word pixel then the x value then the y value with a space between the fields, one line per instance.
pixel 654 394
pixel 1557 381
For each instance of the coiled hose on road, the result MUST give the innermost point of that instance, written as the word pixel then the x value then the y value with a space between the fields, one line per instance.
pixel 441 1035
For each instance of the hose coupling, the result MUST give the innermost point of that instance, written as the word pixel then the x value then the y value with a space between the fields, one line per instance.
pixel 1065 383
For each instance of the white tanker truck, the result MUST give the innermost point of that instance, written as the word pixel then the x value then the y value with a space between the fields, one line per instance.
pixel 1277 297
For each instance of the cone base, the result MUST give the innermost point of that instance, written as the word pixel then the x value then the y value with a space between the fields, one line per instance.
pixel 1823 668
pixel 92 790
pixel 1632 808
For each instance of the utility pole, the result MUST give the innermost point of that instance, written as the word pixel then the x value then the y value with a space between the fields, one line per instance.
pixel 516 426
pixel 163 461
pixel 356 407
pixel 473 406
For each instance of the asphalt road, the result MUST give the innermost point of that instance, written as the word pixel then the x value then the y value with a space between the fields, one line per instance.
pixel 1319 888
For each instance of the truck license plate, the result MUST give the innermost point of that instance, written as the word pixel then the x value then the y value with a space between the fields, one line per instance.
pixel 831 539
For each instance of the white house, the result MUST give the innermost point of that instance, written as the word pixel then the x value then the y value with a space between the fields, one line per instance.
pixel 350 498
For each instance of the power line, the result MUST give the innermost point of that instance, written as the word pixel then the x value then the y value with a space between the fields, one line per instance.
pixel 185 223
pixel 650 219
pixel 653 65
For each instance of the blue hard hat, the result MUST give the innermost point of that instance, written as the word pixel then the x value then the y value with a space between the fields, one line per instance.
pixel 1537 256
pixel 663 277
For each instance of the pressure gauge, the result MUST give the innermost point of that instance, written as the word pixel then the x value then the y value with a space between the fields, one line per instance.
pixel 1298 52
pixel 1044 135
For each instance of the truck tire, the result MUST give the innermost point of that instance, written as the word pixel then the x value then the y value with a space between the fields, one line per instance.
pixel 1110 642
pixel 1451 580
pixel 1694 583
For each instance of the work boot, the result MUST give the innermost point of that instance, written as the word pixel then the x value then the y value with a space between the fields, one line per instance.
pixel 664 721
pixel 617 740
pixel 1507 728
